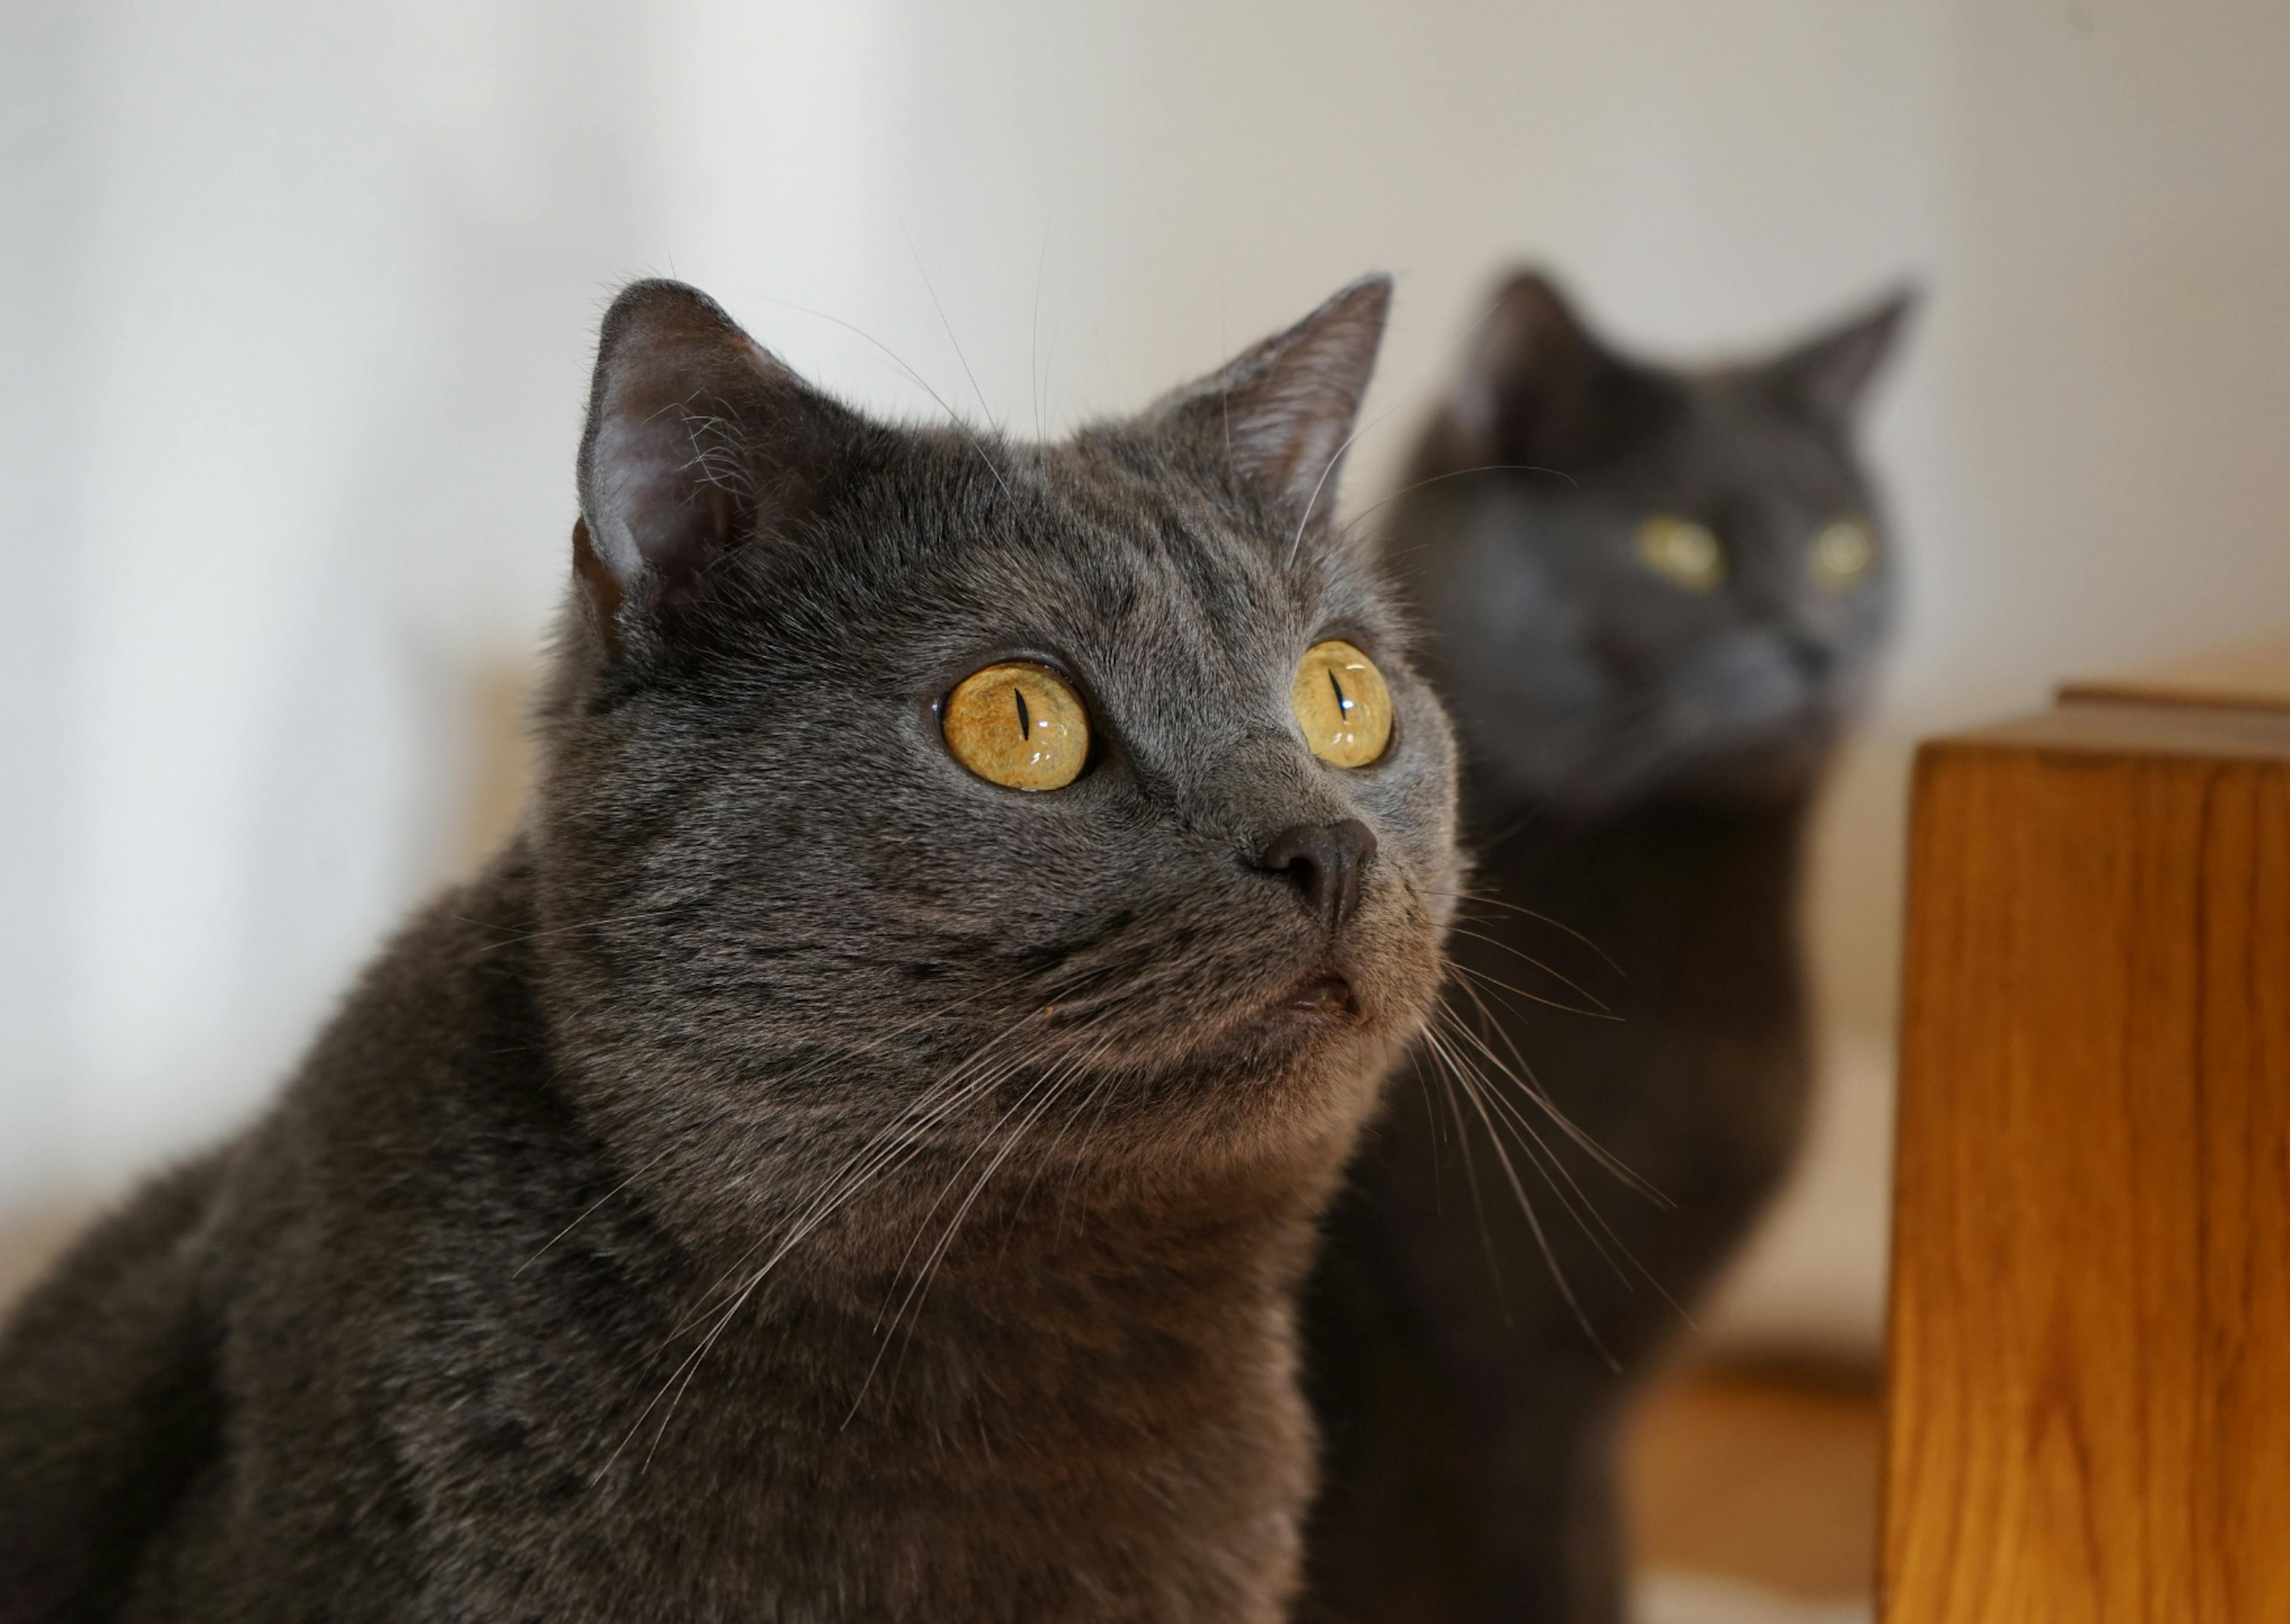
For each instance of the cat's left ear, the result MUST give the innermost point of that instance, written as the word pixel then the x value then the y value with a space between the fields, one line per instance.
pixel 698 441
pixel 1281 413
pixel 1827 377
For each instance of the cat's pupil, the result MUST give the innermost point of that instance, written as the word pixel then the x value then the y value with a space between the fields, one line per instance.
pixel 1344 705
pixel 1025 722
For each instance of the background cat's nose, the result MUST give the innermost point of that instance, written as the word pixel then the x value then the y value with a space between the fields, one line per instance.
pixel 1813 656
pixel 1326 860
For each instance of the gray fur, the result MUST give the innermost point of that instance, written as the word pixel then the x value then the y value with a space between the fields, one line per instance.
pixel 476 1322
pixel 1639 761
pixel 1580 679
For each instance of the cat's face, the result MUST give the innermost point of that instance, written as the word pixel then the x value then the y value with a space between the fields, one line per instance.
pixel 801 880
pixel 1690 602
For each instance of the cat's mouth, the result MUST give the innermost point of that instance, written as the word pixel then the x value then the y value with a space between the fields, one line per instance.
pixel 1325 995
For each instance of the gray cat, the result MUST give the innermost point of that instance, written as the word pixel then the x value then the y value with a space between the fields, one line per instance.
pixel 852 1156
pixel 1658 596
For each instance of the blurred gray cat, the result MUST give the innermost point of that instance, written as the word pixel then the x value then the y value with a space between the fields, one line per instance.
pixel 1658 597
pixel 833 1165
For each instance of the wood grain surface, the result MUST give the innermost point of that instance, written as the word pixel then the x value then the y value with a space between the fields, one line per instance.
pixel 2089 1415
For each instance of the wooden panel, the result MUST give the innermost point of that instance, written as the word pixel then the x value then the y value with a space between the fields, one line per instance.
pixel 2089 1415
pixel 1765 1477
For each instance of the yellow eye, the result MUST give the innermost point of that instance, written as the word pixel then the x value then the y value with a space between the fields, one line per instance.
pixel 1018 724
pixel 1682 552
pixel 1843 554
pixel 1341 704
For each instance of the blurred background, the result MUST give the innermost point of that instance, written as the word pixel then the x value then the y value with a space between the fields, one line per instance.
pixel 299 307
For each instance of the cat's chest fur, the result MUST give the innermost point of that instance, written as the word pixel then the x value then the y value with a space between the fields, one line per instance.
pixel 1030 1435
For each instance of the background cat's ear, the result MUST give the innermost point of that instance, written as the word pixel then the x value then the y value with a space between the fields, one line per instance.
pixel 697 439
pixel 1539 390
pixel 1827 376
pixel 1284 409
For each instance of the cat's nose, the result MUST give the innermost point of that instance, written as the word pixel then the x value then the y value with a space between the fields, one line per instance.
pixel 1326 862
pixel 1813 656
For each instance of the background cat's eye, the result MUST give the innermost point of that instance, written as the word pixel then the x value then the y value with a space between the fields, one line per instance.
pixel 1682 552
pixel 1341 704
pixel 1843 555
pixel 1018 724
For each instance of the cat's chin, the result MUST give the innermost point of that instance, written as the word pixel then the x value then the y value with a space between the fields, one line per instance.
pixel 1336 998
pixel 1333 1010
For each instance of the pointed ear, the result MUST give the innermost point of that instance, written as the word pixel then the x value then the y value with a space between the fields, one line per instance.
pixel 1283 412
pixel 1540 390
pixel 698 438
pixel 1827 377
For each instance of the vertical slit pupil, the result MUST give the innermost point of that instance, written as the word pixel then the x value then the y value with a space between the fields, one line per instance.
pixel 1344 705
pixel 1025 722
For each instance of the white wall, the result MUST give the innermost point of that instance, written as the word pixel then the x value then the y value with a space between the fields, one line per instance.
pixel 2090 443
pixel 299 300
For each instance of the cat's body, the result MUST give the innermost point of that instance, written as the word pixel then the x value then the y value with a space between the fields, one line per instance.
pixel 1643 723
pixel 387 1460
pixel 800 1178
pixel 1497 1501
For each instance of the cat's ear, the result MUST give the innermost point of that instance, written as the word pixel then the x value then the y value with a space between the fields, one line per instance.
pixel 1539 389
pixel 697 440
pixel 1826 376
pixel 1283 411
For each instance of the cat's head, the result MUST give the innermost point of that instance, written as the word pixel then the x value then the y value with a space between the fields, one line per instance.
pixel 1647 582
pixel 915 781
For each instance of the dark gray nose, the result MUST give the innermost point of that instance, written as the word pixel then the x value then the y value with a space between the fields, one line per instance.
pixel 1326 861
pixel 1813 656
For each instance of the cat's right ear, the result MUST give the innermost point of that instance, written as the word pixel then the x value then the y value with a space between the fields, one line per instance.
pixel 1826 376
pixel 1282 412
pixel 697 440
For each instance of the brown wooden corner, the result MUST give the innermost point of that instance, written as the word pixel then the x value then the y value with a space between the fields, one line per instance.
pixel 2088 1373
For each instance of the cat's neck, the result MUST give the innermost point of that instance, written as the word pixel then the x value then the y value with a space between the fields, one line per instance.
pixel 845 1210
pixel 1692 900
